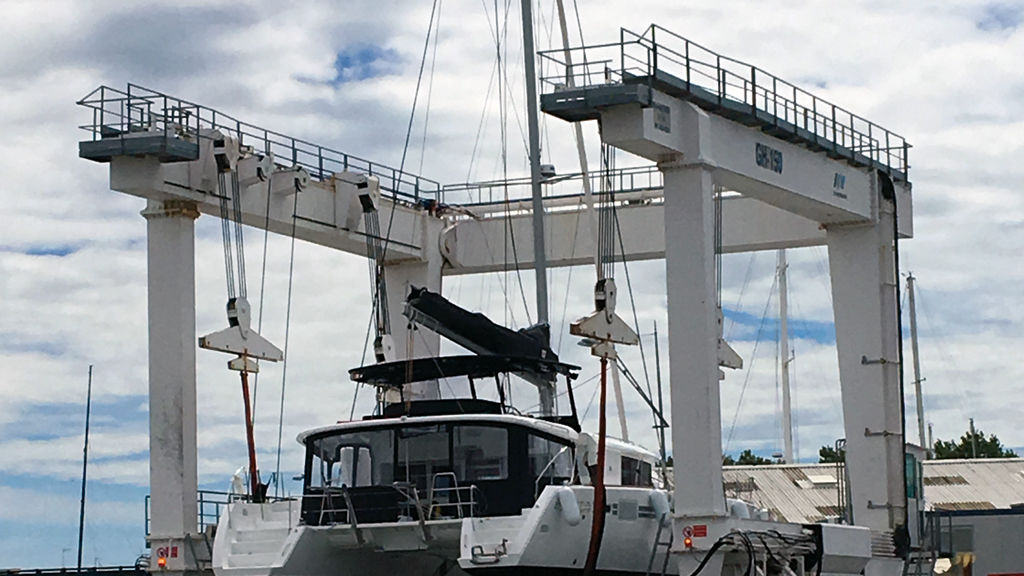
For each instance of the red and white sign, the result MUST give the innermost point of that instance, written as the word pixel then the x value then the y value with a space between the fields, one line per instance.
pixel 165 551
pixel 700 531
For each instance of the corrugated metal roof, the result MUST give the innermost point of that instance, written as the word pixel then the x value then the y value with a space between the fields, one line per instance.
pixel 798 492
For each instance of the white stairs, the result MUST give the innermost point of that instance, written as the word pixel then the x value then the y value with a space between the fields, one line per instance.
pixel 253 539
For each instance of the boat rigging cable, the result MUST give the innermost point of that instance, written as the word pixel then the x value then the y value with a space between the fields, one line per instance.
pixel 378 263
pixel 750 366
pixel 501 41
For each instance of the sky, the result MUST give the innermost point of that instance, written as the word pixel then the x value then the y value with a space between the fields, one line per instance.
pixel 73 262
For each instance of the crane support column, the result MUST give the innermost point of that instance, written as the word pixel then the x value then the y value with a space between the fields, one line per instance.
pixel 862 265
pixel 693 349
pixel 400 277
pixel 172 381
pixel 693 341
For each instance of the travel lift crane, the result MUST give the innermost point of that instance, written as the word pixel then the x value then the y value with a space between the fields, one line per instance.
pixel 853 198
pixel 776 145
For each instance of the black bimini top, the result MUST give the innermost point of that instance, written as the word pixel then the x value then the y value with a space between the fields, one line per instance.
pixel 396 374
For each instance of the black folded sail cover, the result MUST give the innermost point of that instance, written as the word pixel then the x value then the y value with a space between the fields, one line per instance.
pixel 474 331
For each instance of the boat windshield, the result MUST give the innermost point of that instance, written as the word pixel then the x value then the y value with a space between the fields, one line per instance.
pixel 417 455
pixel 364 458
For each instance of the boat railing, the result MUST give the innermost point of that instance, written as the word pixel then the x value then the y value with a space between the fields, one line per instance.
pixel 660 59
pixel 465 498
pixel 138 111
pixel 342 505
pixel 210 504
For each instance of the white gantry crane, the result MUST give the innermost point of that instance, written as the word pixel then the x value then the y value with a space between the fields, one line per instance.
pixel 800 172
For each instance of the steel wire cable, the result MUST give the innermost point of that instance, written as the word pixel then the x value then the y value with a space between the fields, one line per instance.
pixel 287 334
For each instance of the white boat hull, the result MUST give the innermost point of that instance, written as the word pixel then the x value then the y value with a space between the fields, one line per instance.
pixel 268 540
pixel 544 541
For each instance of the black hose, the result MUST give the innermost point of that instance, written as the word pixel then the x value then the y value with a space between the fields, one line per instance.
pixel 888 190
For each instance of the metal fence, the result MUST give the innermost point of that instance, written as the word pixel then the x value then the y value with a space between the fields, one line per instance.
pixel 663 59
pixel 118 113
pixel 210 504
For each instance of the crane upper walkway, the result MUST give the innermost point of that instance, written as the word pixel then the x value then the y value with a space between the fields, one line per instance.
pixel 138 121
pixel 626 72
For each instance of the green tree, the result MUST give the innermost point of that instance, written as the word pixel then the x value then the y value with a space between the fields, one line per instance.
pixel 989 447
pixel 829 455
pixel 746 458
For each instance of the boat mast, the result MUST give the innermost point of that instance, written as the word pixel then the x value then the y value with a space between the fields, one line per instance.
pixel 917 360
pixel 787 410
pixel 85 466
pixel 540 266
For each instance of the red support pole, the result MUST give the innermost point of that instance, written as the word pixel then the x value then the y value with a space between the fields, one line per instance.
pixel 255 488
pixel 597 527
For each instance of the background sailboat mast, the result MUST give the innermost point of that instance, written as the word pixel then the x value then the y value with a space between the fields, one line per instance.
pixel 917 361
pixel 540 267
pixel 85 467
pixel 787 410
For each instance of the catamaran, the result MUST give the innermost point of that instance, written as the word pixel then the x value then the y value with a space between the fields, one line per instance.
pixel 453 485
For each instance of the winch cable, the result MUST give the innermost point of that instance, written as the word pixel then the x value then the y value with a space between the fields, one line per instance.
pixel 375 258
pixel 225 228
pixel 236 199
pixel 605 269
pixel 362 362
pixel 238 291
pixel 287 332
pixel 636 317
pixel 263 281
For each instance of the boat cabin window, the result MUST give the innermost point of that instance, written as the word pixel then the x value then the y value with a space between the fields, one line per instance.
pixel 355 459
pixel 423 451
pixel 415 454
pixel 636 472
pixel 460 468
pixel 549 459
pixel 481 453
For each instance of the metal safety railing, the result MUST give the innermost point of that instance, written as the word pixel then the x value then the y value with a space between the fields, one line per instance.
pixel 570 185
pixel 209 506
pixel 337 506
pixel 118 113
pixel 667 61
